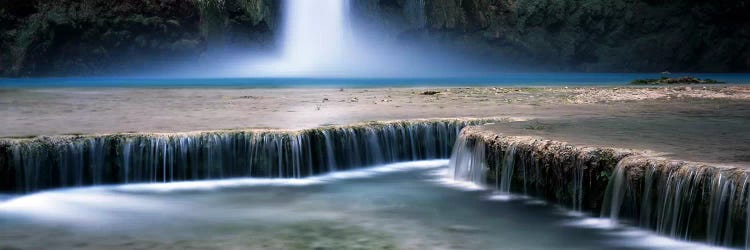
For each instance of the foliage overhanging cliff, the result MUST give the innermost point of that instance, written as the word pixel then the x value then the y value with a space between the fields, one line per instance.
pixel 95 37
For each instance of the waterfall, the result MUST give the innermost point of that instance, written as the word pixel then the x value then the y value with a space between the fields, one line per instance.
pixel 508 165
pixel 315 32
pixel 680 200
pixel 28 165
pixel 467 162
pixel 577 189
pixel 615 193
pixel 684 200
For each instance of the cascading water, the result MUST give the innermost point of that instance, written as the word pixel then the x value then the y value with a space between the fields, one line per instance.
pixel 616 193
pixel 691 202
pixel 330 39
pixel 467 162
pixel 577 189
pixel 315 33
pixel 509 164
pixel 29 165
pixel 684 200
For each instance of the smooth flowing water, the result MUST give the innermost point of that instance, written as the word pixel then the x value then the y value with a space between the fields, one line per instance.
pixel 396 206
pixel 315 33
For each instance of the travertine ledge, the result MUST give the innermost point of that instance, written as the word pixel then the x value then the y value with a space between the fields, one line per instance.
pixel 37 163
pixel 687 200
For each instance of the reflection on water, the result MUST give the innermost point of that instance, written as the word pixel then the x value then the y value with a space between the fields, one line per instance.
pixel 397 206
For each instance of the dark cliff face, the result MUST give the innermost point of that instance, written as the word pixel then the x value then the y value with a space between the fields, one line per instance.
pixel 96 37
pixel 578 35
pixel 100 37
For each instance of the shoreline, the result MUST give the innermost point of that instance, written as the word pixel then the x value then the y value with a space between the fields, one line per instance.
pixel 45 111
pixel 686 122
pixel 519 79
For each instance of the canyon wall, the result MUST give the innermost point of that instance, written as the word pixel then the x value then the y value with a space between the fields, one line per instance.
pixel 98 37
pixel 577 35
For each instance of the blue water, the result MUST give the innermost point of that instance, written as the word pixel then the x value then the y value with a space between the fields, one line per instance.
pixel 506 79
pixel 408 205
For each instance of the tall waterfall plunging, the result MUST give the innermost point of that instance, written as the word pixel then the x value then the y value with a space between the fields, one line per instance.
pixel 315 33
pixel 325 39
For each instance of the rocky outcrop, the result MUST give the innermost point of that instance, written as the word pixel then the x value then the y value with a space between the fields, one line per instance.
pixel 674 80
pixel 74 37
pixel 685 200
pixel 578 35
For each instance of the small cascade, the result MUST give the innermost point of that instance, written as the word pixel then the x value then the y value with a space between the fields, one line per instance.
pixel 49 162
pixel 541 168
pixel 682 200
pixel 508 165
pixel 577 189
pixel 615 193
pixel 467 162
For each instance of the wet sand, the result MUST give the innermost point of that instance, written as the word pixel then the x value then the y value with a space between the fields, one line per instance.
pixel 702 123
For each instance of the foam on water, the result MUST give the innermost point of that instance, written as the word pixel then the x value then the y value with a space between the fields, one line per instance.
pixel 84 205
pixel 250 182
pixel 444 177
pixel 633 237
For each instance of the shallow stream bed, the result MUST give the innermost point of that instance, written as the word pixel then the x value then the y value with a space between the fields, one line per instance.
pixel 397 206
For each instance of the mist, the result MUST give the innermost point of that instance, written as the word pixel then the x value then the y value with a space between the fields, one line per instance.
pixel 321 39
